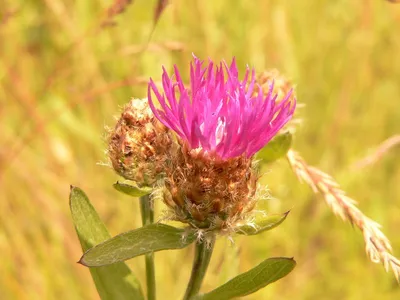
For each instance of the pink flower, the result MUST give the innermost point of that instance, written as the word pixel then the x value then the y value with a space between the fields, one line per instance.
pixel 219 113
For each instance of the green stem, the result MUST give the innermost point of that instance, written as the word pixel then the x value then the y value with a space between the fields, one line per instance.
pixel 202 256
pixel 148 218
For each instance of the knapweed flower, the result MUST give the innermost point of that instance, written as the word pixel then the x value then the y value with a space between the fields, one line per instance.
pixel 220 123
pixel 138 145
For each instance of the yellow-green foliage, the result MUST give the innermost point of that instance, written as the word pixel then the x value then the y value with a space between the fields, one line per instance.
pixel 63 78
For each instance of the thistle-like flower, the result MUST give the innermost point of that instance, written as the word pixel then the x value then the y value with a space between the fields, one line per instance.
pixel 138 145
pixel 221 123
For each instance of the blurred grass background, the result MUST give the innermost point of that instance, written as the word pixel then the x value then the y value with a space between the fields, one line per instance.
pixel 65 70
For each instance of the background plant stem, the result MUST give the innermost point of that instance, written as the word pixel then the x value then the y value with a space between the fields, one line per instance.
pixel 148 218
pixel 202 256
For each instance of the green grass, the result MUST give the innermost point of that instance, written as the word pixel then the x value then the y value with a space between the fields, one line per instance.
pixel 63 78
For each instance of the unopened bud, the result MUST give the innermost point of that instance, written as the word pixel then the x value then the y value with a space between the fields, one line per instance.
pixel 139 144
pixel 282 86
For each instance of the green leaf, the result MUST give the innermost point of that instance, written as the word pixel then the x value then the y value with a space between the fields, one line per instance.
pixel 276 148
pixel 112 282
pixel 270 270
pixel 262 224
pixel 132 190
pixel 149 238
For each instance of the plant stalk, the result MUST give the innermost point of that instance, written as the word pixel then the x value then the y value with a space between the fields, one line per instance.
pixel 202 256
pixel 147 212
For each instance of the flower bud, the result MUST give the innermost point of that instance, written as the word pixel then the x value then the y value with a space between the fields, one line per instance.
pixel 138 145
pixel 282 86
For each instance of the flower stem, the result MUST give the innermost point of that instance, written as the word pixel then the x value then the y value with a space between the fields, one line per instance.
pixel 202 256
pixel 147 212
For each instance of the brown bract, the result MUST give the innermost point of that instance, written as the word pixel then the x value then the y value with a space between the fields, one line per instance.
pixel 207 192
pixel 138 146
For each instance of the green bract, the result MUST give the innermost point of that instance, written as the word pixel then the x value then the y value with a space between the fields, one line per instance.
pixel 261 224
pixel 276 148
pixel 132 190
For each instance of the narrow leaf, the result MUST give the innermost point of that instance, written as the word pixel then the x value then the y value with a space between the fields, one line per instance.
pixel 262 224
pixel 132 190
pixel 269 271
pixel 276 148
pixel 112 282
pixel 150 238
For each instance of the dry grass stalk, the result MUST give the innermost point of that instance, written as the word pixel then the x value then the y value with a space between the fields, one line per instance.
pixel 160 7
pixel 159 47
pixel 380 151
pixel 377 245
pixel 118 7
pixel 7 15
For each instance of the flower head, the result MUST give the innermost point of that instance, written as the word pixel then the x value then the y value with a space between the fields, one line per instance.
pixel 219 113
pixel 221 123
